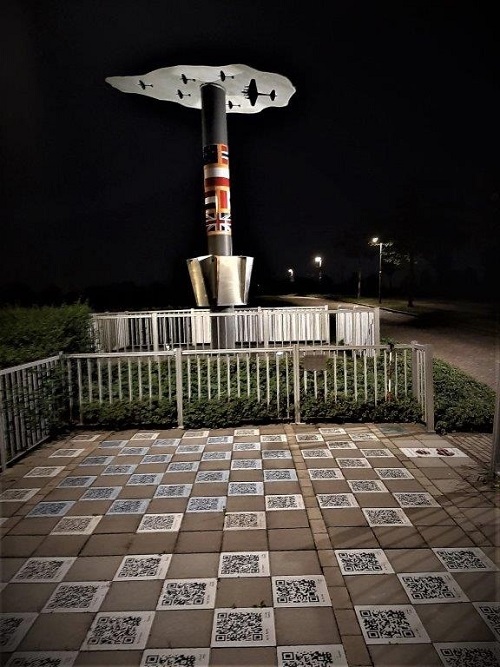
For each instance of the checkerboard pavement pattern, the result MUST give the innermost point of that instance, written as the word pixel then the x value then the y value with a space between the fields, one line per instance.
pixel 286 545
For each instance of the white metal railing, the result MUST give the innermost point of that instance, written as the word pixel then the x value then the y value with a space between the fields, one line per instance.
pixel 255 327
pixel 28 393
pixel 283 380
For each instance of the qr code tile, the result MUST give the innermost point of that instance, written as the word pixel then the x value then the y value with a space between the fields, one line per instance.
pixel 50 509
pixel 156 458
pixel 186 593
pixel 173 491
pixel 243 627
pixel 76 525
pixel 240 432
pixel 280 475
pixel 145 435
pixel 469 654
pixel 244 520
pixel 277 437
pixel 340 444
pixel 367 486
pixel 246 447
pixel 325 473
pixel 183 466
pixel 206 504
pixel 429 587
pixel 102 493
pixel 293 501
pixel 176 657
pixel 220 440
pixel 43 569
pixel 464 559
pixel 332 430
pixel 386 516
pixel 126 469
pixel 415 499
pixel 143 567
pixel 322 453
pixel 357 462
pixel 66 453
pixel 13 627
pixel 276 454
pixel 490 613
pixel 360 437
pixel 42 659
pixel 336 500
pixel 309 437
pixel 204 476
pixel 190 449
pixel 376 453
pixel 145 479
pixel 244 564
pixel 363 561
pixel 196 434
pixel 390 624
pixel 17 495
pixel 86 437
pixel 45 471
pixel 77 596
pixel 216 456
pixel 157 523
pixel 394 473
pixel 300 591
pixel 96 461
pixel 112 444
pixel 129 506
pixel 166 442
pixel 72 482
pixel 116 630
pixel 133 451
pixel 245 489
pixel 246 464
pixel 330 655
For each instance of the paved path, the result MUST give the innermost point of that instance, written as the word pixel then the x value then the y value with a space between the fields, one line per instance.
pixel 314 546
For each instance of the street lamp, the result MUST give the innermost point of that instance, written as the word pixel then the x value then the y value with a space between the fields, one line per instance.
pixel 318 261
pixel 291 274
pixel 376 241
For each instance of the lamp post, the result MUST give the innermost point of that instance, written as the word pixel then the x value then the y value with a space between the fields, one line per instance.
pixel 318 261
pixel 376 241
pixel 291 274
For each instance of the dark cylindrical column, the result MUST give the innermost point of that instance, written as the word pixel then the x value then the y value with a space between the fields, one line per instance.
pixel 216 169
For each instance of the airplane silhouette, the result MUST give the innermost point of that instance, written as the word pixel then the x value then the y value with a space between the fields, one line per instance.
pixel 251 93
pixel 224 76
pixel 144 85
pixel 185 79
pixel 232 104
pixel 181 94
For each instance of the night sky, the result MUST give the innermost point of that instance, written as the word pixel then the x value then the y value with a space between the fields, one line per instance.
pixel 395 102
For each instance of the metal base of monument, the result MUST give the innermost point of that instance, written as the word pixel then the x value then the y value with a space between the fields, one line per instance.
pixel 220 281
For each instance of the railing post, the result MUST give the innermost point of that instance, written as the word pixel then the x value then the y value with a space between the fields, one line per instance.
pixel 296 382
pixel 3 434
pixel 179 387
pixel 415 371
pixel 429 388
pixel 154 331
pixel 495 445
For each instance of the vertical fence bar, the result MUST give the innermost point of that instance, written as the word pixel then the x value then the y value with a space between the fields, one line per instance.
pixel 179 388
pixel 429 388
pixel 296 382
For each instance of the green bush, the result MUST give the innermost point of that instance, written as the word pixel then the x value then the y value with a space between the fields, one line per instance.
pixel 29 334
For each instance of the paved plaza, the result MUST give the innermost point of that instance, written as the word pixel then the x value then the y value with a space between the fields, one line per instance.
pixel 284 545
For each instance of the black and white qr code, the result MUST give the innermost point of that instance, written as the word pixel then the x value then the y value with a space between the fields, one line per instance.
pixel 242 520
pixel 8 627
pixel 69 596
pixel 109 630
pixel 360 561
pixel 428 587
pixel 386 624
pixel 238 626
pixel 469 656
pixel 139 566
pixel 296 591
pixel 239 564
pixel 461 559
pixel 301 658
pixel 179 593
